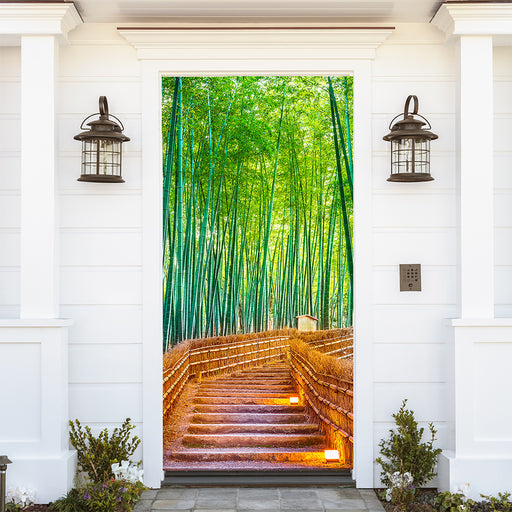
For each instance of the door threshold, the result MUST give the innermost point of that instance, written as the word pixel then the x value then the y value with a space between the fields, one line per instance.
pixel 260 478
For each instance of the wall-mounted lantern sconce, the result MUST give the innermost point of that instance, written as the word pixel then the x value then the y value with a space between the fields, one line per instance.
pixel 410 146
pixel 101 147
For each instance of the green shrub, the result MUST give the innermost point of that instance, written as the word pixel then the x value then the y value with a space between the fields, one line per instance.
pixel 453 502
pixel 404 452
pixel 110 496
pixel 72 502
pixel 97 454
pixel 500 504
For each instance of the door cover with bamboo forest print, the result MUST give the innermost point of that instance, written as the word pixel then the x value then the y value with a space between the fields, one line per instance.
pixel 258 271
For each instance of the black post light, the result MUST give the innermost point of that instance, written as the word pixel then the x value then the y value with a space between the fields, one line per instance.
pixel 101 147
pixel 4 460
pixel 410 145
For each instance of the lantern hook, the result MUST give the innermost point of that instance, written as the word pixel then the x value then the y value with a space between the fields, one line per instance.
pixel 407 103
pixel 104 106
pixel 413 113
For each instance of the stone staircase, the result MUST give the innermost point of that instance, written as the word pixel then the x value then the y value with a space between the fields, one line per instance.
pixel 245 421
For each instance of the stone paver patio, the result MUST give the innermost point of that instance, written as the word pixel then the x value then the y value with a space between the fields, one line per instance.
pixel 259 499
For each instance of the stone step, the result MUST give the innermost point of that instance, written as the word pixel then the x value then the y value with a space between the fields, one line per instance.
pixel 247 418
pixel 247 392
pixel 310 454
pixel 249 408
pixel 249 385
pixel 264 440
pixel 264 369
pixel 249 428
pixel 253 399
pixel 263 372
pixel 256 382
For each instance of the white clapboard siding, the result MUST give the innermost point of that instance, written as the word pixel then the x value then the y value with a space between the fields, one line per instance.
pixel 503 181
pixel 432 246
pixel 103 403
pixel 101 234
pixel 415 362
pixel 100 248
pixel 413 323
pixel 427 399
pixel 10 201
pixel 105 285
pixel 104 323
pixel 401 208
pixel 118 364
pixel 413 223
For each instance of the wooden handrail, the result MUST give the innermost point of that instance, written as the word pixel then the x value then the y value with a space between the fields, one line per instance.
pixel 268 349
pixel 228 356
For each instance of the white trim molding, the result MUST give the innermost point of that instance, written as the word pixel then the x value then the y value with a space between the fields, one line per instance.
pixel 224 52
pixel 175 43
pixel 481 345
pixel 458 18
pixel 38 18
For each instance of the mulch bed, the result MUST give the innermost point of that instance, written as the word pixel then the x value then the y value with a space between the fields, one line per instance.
pixel 37 508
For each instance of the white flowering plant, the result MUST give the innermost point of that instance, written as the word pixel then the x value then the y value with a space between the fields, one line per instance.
pixel 401 489
pixel 19 498
pixel 125 470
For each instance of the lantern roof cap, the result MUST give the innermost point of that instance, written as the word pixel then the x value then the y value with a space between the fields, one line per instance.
pixel 103 127
pixel 410 126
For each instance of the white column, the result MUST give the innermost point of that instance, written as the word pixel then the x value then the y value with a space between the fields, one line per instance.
pixel 476 177
pixel 39 289
pixel 152 310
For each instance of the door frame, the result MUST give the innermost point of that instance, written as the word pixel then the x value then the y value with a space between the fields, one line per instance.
pixel 175 51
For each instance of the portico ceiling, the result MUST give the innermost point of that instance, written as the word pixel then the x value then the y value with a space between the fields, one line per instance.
pixel 254 11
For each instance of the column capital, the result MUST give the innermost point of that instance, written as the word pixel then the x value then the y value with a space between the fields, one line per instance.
pixel 456 18
pixel 57 19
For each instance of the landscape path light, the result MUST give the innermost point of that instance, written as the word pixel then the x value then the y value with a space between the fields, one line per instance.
pixel 4 460
pixel 101 146
pixel 410 145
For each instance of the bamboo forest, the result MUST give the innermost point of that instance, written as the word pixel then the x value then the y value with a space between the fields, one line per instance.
pixel 257 204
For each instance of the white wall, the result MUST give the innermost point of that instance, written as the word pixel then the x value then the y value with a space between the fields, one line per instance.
pixel 503 180
pixel 101 240
pixel 101 233
pixel 10 182
pixel 414 223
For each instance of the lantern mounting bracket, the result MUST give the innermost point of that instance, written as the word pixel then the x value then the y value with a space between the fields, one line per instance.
pixel 103 113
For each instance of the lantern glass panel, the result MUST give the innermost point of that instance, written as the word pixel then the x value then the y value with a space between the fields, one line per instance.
pixel 410 155
pixel 422 156
pixel 105 156
pixel 89 156
pixel 116 160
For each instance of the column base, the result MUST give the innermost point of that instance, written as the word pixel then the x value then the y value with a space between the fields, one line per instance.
pixel 484 475
pixel 49 477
